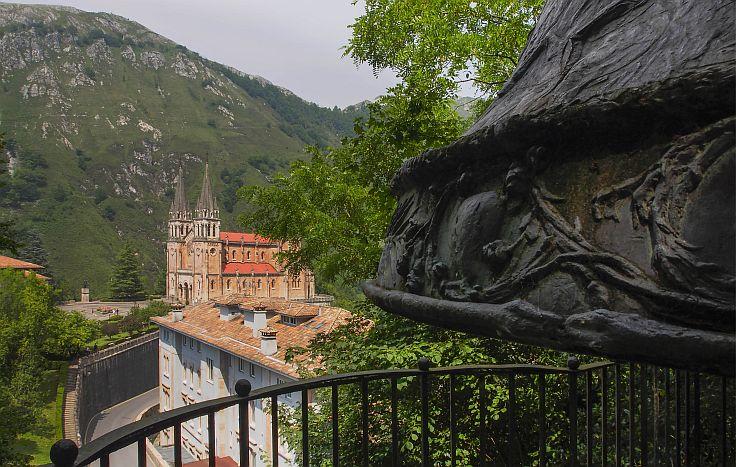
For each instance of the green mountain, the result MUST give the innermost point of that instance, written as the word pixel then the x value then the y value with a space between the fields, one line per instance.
pixel 99 112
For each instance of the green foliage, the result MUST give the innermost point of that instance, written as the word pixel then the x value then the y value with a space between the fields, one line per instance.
pixel 139 319
pixel 82 158
pixel 444 42
pixel 126 282
pixel 32 331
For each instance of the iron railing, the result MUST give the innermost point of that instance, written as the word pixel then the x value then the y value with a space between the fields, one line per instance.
pixel 609 414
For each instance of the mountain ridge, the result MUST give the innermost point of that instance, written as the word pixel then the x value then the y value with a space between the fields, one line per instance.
pixel 99 113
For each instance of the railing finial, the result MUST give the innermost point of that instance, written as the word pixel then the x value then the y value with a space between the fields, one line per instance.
pixel 242 387
pixel 63 453
pixel 573 363
pixel 423 363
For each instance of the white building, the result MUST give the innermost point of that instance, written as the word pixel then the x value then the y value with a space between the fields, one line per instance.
pixel 207 348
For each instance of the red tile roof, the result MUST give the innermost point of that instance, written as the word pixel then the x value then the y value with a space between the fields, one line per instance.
pixel 248 268
pixel 203 323
pixel 8 262
pixel 244 238
pixel 277 305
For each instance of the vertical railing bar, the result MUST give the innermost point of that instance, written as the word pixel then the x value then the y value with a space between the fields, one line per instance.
pixel 655 415
pixel 688 453
pixel 244 429
pixel 424 396
pixel 211 438
pixel 511 410
pixel 335 428
pixel 589 418
pixel 697 429
pixel 604 416
pixel 667 421
pixel 482 421
pixel 305 428
pixel 453 422
pixel 573 414
pixel 617 416
pixel 643 416
pixel 364 419
pixel 678 417
pixel 542 421
pixel 142 452
pixel 274 431
pixel 631 415
pixel 722 429
pixel 394 422
pixel 177 445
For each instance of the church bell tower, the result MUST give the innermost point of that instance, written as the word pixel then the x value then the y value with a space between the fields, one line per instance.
pixel 207 245
pixel 180 225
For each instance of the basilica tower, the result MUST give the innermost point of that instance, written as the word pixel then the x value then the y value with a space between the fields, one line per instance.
pixel 206 244
pixel 177 257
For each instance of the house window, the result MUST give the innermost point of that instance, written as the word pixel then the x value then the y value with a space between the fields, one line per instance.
pixel 259 283
pixel 241 365
pixel 191 343
pixel 252 370
pixel 273 283
pixel 290 320
pixel 199 347
pixel 210 365
pixel 186 339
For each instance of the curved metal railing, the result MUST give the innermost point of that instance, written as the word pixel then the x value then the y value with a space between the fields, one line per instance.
pixel 607 412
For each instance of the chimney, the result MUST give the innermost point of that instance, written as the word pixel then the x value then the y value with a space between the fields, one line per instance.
pixel 176 312
pixel 268 341
pixel 259 319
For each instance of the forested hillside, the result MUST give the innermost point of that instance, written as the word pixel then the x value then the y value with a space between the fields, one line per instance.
pixel 98 113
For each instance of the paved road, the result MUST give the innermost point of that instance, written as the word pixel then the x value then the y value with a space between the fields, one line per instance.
pixel 120 415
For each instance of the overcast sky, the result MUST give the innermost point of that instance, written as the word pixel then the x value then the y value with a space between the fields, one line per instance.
pixel 293 43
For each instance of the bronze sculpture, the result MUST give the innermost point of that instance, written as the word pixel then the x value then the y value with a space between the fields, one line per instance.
pixel 591 208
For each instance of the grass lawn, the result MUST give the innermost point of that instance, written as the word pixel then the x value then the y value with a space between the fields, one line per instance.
pixel 37 443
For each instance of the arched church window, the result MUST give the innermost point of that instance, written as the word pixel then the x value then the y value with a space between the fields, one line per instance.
pixel 228 284
pixel 249 256
pixel 262 255
pixel 212 285
pixel 259 283
pixel 273 283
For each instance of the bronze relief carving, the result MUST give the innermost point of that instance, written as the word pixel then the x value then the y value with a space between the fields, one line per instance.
pixel 591 208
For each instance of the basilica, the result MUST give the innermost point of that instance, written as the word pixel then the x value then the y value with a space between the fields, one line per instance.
pixel 204 263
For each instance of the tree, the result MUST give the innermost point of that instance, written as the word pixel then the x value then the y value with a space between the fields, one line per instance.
pixel 126 282
pixel 33 332
pixel 337 205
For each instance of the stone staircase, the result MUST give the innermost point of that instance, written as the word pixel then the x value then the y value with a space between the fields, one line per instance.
pixel 71 426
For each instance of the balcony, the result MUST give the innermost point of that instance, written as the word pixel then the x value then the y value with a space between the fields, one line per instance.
pixel 601 413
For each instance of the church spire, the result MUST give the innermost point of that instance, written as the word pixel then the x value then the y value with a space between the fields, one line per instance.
pixel 206 205
pixel 179 206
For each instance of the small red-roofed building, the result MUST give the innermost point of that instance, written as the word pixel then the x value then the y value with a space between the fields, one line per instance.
pixel 6 262
pixel 206 348
pixel 204 263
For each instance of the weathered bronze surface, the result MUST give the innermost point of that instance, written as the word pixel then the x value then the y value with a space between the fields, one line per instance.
pixel 591 208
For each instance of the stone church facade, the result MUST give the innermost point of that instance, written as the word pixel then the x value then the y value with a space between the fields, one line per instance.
pixel 205 263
